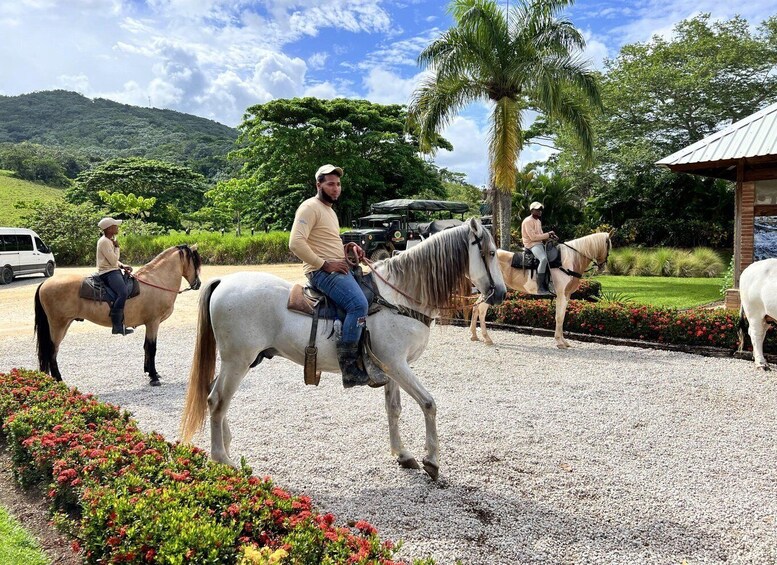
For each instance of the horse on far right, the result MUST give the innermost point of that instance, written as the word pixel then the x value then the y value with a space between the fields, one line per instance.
pixel 758 296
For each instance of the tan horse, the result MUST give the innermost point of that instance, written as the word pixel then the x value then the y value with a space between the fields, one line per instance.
pixel 57 304
pixel 576 256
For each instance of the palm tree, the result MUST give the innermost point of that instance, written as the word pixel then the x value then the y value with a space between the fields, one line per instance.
pixel 525 59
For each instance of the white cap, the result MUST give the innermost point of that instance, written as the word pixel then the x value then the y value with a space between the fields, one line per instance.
pixel 105 223
pixel 326 169
pixel 535 206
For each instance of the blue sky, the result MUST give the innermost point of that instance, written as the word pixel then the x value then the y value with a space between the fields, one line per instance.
pixel 214 58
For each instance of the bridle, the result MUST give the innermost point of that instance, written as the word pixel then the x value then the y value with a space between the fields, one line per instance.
pixel 192 286
pixel 482 248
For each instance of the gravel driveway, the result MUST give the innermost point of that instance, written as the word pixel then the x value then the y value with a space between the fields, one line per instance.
pixel 598 454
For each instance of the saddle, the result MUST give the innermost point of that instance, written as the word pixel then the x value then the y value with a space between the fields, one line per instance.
pixel 311 302
pixel 93 288
pixel 525 259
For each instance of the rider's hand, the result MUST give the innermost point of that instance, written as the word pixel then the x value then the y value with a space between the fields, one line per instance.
pixel 552 235
pixel 335 267
pixel 359 253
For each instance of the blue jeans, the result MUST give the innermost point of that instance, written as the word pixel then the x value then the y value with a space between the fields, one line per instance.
pixel 115 281
pixel 539 252
pixel 344 291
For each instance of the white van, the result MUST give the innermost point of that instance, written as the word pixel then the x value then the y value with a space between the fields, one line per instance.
pixel 21 253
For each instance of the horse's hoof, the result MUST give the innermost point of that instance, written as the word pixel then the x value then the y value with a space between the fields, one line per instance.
pixel 763 367
pixel 474 338
pixel 408 463
pixel 488 342
pixel 155 381
pixel 431 469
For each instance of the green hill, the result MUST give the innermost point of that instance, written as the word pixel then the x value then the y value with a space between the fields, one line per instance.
pixel 103 129
pixel 13 190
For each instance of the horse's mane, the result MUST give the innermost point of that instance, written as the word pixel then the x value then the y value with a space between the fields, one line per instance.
pixel 185 252
pixel 435 271
pixel 592 245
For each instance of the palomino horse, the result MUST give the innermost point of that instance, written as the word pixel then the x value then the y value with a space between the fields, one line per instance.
pixel 576 256
pixel 57 304
pixel 245 316
pixel 758 295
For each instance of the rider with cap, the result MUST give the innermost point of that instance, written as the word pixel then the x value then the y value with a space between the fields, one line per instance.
pixel 534 240
pixel 110 270
pixel 315 239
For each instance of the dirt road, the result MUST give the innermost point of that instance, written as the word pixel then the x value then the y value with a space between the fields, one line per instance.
pixel 17 311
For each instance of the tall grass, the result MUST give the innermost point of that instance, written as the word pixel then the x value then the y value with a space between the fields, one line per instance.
pixel 666 262
pixel 227 249
pixel 13 191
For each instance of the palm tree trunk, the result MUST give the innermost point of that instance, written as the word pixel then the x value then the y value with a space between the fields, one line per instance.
pixel 505 208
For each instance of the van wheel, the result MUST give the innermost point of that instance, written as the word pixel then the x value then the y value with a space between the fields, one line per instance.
pixel 6 275
pixel 49 269
pixel 379 255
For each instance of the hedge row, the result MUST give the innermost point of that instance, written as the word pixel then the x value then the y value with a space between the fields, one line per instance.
pixel 131 497
pixel 715 328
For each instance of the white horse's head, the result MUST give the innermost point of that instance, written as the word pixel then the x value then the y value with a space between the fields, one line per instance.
pixel 484 271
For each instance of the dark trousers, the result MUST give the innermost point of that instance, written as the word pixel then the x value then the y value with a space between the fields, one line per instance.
pixel 115 281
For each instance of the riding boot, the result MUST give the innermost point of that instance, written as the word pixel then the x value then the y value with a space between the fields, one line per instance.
pixel 353 375
pixel 117 320
pixel 542 284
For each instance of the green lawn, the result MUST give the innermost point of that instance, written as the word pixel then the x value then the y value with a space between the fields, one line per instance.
pixel 13 190
pixel 663 291
pixel 17 547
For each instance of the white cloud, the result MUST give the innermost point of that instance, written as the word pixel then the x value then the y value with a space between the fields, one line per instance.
pixel 317 61
pixel 387 87
pixel 469 138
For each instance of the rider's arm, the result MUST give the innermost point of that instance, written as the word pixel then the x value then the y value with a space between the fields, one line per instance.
pixel 304 220
pixel 107 251
pixel 532 231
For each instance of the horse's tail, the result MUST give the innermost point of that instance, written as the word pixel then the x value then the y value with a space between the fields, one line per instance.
pixel 203 368
pixel 741 328
pixel 45 345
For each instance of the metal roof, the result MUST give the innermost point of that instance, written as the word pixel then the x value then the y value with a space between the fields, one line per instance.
pixel 754 136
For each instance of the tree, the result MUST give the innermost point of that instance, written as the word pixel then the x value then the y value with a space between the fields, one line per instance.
pixel 659 97
pixel 525 60
pixel 233 198
pixel 127 204
pixel 285 141
pixel 177 189
pixel 38 163
pixel 70 230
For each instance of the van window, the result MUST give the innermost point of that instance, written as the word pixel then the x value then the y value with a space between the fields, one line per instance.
pixel 23 242
pixel 5 243
pixel 42 247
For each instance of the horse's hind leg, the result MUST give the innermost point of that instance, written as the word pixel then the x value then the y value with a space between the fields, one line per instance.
pixel 757 331
pixel 58 330
pixel 224 388
pixel 393 411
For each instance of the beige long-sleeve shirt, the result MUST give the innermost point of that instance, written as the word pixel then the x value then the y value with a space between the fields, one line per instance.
pixel 531 232
pixel 315 235
pixel 107 256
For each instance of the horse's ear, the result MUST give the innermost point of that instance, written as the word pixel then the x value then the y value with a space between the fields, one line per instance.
pixel 193 247
pixel 473 225
pixel 612 232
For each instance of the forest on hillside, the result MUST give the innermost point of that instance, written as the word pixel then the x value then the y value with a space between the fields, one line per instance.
pixel 101 129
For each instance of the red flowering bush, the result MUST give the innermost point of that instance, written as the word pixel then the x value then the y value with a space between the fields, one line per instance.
pixel 131 497
pixel 716 328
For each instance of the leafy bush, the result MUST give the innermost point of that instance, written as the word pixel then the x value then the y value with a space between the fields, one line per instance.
pixel 214 248
pixel 665 262
pixel 131 497
pixel 717 328
pixel 70 230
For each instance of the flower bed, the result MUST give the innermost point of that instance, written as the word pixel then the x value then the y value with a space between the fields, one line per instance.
pixel 130 497
pixel 697 327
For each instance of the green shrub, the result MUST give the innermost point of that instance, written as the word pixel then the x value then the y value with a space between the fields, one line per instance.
pixel 132 497
pixel 665 262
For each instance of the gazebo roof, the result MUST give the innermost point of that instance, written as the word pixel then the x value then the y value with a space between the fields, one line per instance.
pixel 753 139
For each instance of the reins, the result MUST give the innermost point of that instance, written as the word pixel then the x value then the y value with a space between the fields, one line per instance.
pixel 161 287
pixel 592 260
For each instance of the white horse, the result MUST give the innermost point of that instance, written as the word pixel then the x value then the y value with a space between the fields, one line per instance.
pixel 245 316
pixel 758 295
pixel 576 256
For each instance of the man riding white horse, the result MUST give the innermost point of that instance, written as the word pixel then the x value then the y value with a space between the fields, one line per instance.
pixel 534 240
pixel 315 240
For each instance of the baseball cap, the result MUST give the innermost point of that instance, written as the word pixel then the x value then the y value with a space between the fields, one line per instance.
pixel 105 223
pixel 326 169
pixel 535 206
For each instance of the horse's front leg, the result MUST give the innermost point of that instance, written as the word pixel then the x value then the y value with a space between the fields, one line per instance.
pixel 561 310
pixel 482 311
pixel 393 411
pixel 406 379
pixel 757 331
pixel 149 347
pixel 473 322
